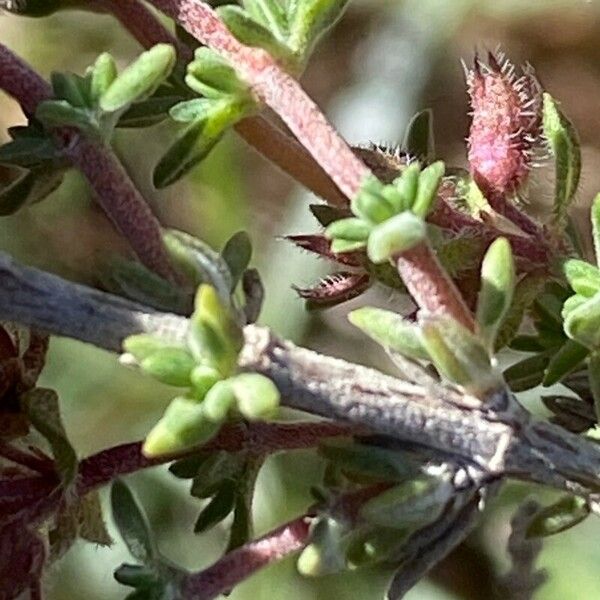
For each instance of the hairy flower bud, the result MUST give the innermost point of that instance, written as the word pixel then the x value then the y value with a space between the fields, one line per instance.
pixel 505 123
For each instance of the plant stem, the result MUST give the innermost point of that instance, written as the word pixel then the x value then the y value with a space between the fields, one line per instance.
pixel 430 286
pixel 275 88
pixel 17 456
pixel 115 192
pixel 257 438
pixel 290 156
pixel 141 23
pixel 238 565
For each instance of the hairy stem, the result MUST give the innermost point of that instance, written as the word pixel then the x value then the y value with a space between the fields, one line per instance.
pixel 114 190
pixel 276 89
pixel 290 156
pixel 257 438
pixel 238 565
pixel 499 441
pixel 430 286
pixel 141 23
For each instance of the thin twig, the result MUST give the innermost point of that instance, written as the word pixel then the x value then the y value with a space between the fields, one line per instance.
pixel 439 418
pixel 430 286
pixel 114 190
pixel 257 438
pixel 235 567
pixel 276 89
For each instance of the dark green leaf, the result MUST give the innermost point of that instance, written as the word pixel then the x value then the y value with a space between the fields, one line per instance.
pixel 418 139
pixel 59 113
pixel 188 150
pixel 565 361
pixel 71 88
pixel 254 293
pixel 132 524
pixel 564 514
pixel 27 151
pixel 147 112
pixel 237 254
pixel 43 410
pixel 527 373
pixel 218 508
pixel 564 143
pixel 252 33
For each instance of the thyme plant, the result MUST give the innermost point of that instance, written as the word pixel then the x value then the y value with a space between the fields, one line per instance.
pixel 412 460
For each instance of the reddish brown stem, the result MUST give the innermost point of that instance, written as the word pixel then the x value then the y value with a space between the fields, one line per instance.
pixel 430 286
pixel 240 564
pixel 141 23
pixel 290 156
pixel 258 438
pixel 277 89
pixel 115 191
pixel 121 201
pixel 25 459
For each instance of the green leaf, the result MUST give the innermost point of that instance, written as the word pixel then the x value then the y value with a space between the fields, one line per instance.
pixel 137 576
pixel 133 280
pixel 140 79
pixel 250 32
pixel 409 504
pixel 527 373
pixel 370 205
pixel 326 553
pixel 72 89
pixel 391 330
pixel 418 139
pixel 213 77
pixel 16 195
pixel 339 246
pixel 172 366
pixel 497 289
pixel 254 294
pixel 132 523
pixel 375 546
pixel 102 73
pixel 33 8
pixel 564 514
pixel 203 378
pixel 237 254
pixel 309 20
pixel 219 401
pixel 144 345
pixel 406 185
pixel 27 151
pixel 396 235
pixel 43 411
pixel 565 361
pixel 218 468
pixel 583 323
pixel 199 262
pixel 222 503
pixel 429 182
pixel 183 426
pixel 257 396
pixel 459 355
pixel 564 143
pixel 370 461
pixel 582 277
pixel 269 13
pixel 326 214
pixel 188 150
pixel 147 112
pixel 191 110
pixel 214 338
pixel 351 229
pixel 59 113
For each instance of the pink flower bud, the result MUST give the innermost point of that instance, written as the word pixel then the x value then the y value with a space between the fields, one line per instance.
pixel 505 125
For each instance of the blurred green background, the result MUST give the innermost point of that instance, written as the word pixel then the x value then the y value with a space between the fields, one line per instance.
pixel 384 61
